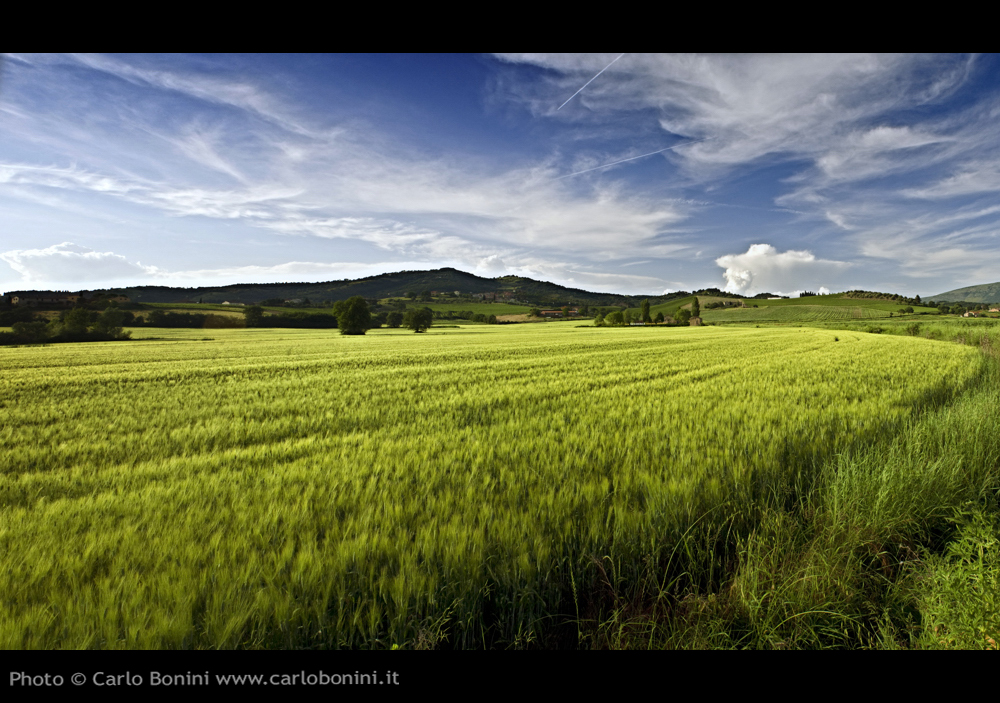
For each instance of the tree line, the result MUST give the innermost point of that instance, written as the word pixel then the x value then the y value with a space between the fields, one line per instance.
pixel 75 325
pixel 352 316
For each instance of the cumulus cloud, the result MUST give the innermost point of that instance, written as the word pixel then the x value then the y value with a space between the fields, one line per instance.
pixel 70 263
pixel 764 269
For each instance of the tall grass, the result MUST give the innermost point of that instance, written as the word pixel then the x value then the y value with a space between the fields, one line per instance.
pixel 869 553
pixel 469 488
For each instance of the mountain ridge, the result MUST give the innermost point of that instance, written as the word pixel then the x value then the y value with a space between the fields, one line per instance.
pixel 385 285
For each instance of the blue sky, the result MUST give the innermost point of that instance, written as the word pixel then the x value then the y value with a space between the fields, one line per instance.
pixel 774 173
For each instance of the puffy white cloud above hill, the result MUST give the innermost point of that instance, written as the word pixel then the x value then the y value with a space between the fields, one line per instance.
pixel 764 269
pixel 71 263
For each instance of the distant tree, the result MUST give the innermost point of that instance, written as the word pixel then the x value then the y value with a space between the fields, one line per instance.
pixel 659 317
pixel 353 316
pixel 75 321
pixel 957 310
pixel 491 320
pixel 394 319
pixel 616 318
pixel 599 320
pixel 157 318
pixel 645 311
pixel 36 331
pixel 418 320
pixel 585 310
pixel 695 308
pixel 565 311
pixel 425 295
pixel 253 315
pixel 626 317
pixel 682 316
pixel 111 323
pixel 534 312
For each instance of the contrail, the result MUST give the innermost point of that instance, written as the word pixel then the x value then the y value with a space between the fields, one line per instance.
pixel 633 158
pixel 587 83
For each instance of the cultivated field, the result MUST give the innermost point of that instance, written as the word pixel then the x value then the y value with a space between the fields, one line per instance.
pixel 470 487
pixel 794 313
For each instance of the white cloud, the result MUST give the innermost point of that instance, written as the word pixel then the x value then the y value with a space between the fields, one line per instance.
pixel 763 269
pixel 69 263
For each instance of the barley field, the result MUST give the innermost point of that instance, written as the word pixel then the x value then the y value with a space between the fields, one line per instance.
pixel 299 488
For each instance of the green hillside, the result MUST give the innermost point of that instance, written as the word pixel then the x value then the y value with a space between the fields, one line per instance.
pixel 513 289
pixel 985 293
pixel 811 308
pixel 795 313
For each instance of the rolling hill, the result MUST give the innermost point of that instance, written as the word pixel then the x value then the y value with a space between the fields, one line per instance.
pixel 985 293
pixel 518 289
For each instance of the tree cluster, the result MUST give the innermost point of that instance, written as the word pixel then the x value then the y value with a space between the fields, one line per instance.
pixel 875 295
pixel 75 325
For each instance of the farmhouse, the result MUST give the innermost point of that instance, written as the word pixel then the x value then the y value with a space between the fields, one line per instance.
pixel 45 299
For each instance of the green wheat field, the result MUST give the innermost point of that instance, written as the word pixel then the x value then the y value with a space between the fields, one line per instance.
pixel 490 487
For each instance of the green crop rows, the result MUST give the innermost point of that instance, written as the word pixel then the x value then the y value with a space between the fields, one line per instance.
pixel 296 488
pixel 794 313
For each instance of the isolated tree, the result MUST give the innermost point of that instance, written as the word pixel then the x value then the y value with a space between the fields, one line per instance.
pixel 645 311
pixel 418 320
pixel 353 316
pixel 253 315
pixel 659 317
pixel 394 319
pixel 695 308
pixel 682 316
pixel 534 312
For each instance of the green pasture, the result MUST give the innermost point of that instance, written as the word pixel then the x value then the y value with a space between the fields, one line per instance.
pixel 477 307
pixel 839 300
pixel 793 313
